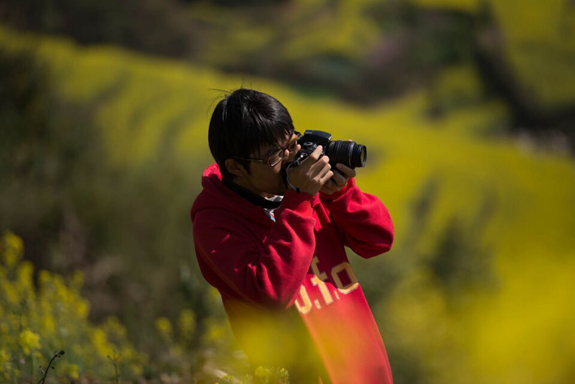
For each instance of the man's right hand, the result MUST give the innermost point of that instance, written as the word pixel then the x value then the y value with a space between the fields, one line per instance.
pixel 311 174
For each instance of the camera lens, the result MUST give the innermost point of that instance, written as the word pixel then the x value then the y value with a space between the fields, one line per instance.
pixel 348 153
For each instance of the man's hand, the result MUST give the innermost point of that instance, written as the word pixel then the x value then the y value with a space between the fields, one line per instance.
pixel 339 179
pixel 311 175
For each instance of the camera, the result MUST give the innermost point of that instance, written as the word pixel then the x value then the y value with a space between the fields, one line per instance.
pixel 348 153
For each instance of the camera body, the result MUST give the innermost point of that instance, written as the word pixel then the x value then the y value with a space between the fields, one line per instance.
pixel 348 153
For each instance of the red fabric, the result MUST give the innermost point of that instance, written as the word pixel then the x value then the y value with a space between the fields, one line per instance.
pixel 297 265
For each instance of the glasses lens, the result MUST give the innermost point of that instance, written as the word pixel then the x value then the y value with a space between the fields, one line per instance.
pixel 275 158
pixel 292 146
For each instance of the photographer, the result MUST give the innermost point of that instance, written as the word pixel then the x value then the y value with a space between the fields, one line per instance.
pixel 276 253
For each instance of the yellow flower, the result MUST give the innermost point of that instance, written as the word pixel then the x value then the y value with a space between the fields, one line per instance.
pixel 82 308
pixel 164 326
pixel 72 371
pixel 114 329
pixel 4 358
pixel 29 341
pixel 10 292
pixel 262 372
pixel 47 324
pixel 25 282
pixel 187 324
pixel 11 249
pixel 100 343
pixel 6 372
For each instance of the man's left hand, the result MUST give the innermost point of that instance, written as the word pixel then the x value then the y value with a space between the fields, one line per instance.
pixel 339 179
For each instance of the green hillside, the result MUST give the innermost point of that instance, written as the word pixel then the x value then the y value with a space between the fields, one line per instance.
pixel 478 287
pixel 538 45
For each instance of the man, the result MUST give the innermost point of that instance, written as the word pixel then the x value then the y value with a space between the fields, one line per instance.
pixel 277 256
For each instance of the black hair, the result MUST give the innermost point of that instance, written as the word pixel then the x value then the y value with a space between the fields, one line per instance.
pixel 243 122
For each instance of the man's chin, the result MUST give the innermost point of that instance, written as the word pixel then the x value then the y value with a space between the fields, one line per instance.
pixel 280 190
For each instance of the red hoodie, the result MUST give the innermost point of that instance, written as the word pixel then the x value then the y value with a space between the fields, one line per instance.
pixel 278 277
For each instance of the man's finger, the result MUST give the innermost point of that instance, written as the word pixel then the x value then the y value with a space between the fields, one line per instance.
pixel 329 186
pixel 316 154
pixel 347 171
pixel 328 190
pixel 320 168
pixel 319 165
pixel 339 179
pixel 312 158
pixel 326 177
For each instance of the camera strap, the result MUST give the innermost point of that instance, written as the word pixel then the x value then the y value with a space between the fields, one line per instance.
pixel 252 197
pixel 285 175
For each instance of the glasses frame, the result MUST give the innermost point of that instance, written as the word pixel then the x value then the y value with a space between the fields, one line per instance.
pixel 280 151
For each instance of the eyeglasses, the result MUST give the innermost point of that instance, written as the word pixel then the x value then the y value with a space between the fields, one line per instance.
pixel 275 158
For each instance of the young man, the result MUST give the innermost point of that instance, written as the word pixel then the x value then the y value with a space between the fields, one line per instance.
pixel 277 256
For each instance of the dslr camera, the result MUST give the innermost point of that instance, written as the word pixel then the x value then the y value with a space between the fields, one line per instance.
pixel 348 153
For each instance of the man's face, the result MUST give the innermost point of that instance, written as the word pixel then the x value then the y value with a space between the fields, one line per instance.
pixel 267 180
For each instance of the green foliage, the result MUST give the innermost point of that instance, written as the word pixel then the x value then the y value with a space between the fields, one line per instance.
pixel 57 176
pixel 261 375
pixel 98 21
pixel 541 48
pixel 363 51
pixel 35 321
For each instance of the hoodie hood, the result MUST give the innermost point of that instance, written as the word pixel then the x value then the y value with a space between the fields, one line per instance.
pixel 216 195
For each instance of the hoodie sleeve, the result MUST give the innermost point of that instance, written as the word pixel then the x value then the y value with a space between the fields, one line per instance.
pixel 268 271
pixel 362 220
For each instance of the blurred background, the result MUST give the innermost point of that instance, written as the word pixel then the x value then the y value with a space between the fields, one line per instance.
pixel 468 111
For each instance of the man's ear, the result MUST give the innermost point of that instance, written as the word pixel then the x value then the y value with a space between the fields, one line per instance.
pixel 235 168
